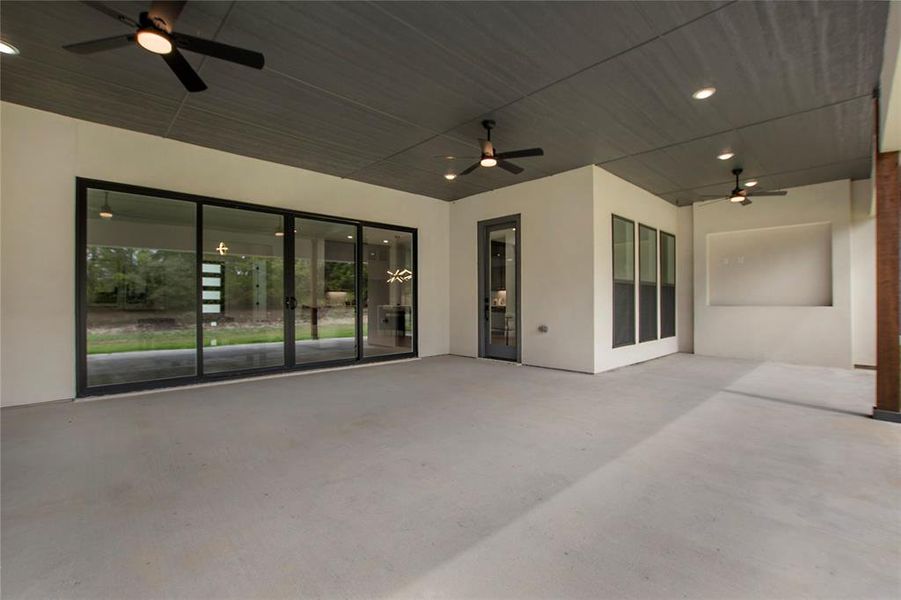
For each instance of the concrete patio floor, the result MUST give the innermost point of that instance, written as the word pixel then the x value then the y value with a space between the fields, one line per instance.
pixel 686 476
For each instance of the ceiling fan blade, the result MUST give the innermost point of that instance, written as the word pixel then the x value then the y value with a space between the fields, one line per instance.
pixel 763 193
pixel 469 169
pixel 184 71
pixel 164 13
pixel 248 58
pixel 110 43
pixel 510 167
pixel 111 12
pixel 520 153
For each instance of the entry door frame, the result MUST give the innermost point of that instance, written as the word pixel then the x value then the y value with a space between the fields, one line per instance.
pixel 483 302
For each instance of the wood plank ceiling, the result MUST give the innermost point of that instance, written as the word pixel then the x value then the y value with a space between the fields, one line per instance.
pixel 381 92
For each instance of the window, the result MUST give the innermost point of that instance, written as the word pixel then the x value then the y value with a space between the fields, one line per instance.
pixel 138 288
pixel 175 289
pixel 623 282
pixel 667 284
pixel 647 283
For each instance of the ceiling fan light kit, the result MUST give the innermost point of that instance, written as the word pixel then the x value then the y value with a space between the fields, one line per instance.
pixel 489 158
pixel 742 196
pixel 154 41
pixel 154 33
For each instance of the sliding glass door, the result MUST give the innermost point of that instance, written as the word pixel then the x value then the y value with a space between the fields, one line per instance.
pixel 176 289
pixel 325 289
pixel 243 290
pixel 139 299
pixel 388 287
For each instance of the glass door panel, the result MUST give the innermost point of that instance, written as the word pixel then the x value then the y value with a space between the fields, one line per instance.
pixel 325 316
pixel 500 274
pixel 388 284
pixel 139 288
pixel 243 290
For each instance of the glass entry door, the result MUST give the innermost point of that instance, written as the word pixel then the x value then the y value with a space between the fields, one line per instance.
pixel 499 288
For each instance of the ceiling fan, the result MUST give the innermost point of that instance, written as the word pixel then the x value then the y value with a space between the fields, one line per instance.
pixel 154 32
pixel 490 158
pixel 742 196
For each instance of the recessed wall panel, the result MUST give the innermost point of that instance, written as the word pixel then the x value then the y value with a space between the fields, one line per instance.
pixel 776 266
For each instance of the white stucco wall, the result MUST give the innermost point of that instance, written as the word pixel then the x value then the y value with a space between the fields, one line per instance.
pixel 818 335
pixel 613 195
pixel 863 274
pixel 42 155
pixel 557 268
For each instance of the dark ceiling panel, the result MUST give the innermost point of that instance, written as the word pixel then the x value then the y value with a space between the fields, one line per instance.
pixel 58 90
pixel 528 45
pixel 666 15
pixel 684 166
pixel 828 135
pixel 417 181
pixel 376 92
pixel 769 59
pixel 222 133
pixel 281 104
pixel 357 51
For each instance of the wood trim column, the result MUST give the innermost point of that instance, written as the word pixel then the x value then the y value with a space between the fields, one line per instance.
pixel 888 220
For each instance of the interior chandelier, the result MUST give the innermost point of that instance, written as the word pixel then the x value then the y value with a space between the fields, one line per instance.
pixel 399 275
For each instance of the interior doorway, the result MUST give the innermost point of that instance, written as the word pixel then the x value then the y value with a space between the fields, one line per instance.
pixel 499 288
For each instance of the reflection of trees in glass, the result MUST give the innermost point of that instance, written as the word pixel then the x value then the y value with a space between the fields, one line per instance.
pixel 160 280
pixel 339 277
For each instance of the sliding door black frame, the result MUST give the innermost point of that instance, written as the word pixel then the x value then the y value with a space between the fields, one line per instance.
pixel 81 301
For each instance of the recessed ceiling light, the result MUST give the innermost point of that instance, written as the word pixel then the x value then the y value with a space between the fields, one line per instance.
pixel 154 41
pixel 488 161
pixel 350 237
pixel 279 234
pixel 450 176
pixel 7 48
pixel 704 93
pixel 726 155
pixel 751 183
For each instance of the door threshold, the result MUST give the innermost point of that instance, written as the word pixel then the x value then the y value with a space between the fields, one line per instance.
pixel 289 373
pixel 512 363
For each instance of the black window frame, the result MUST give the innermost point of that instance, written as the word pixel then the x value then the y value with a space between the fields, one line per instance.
pixel 656 312
pixel 615 281
pixel 83 184
pixel 666 334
